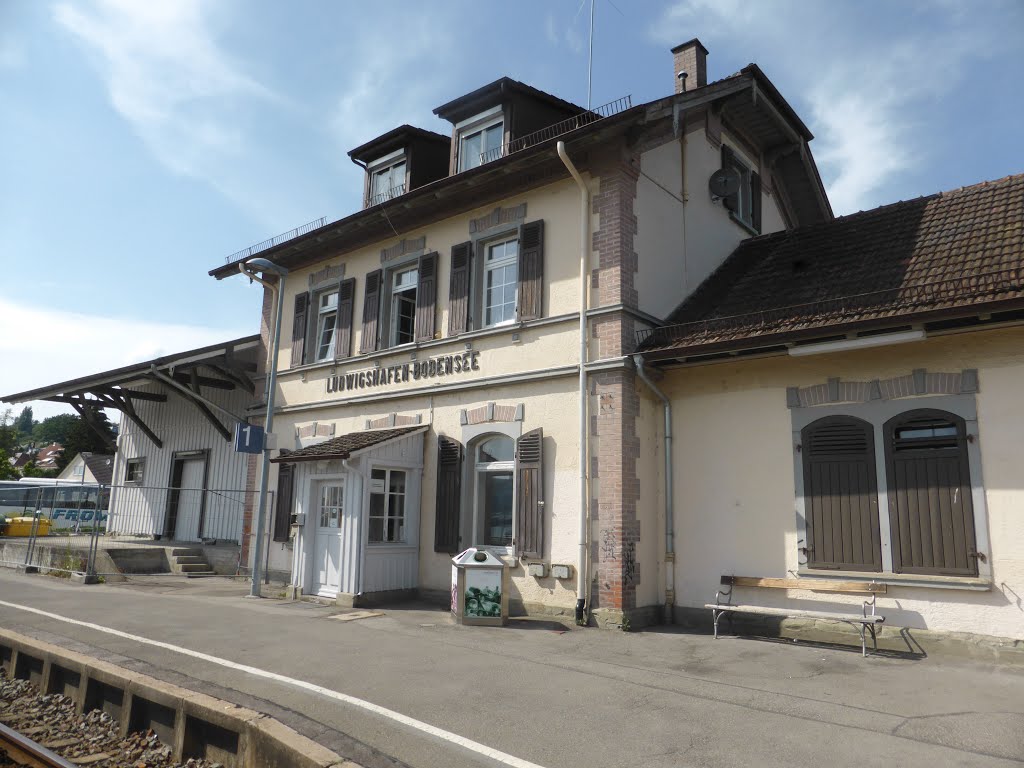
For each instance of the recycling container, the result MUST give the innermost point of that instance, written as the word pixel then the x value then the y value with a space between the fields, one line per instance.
pixel 479 588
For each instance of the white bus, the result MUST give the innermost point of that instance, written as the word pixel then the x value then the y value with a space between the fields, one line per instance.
pixel 66 504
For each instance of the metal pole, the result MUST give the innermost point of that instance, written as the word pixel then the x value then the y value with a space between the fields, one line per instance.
pixel 268 429
pixel 590 58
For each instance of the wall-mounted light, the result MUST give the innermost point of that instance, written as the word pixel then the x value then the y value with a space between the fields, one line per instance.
pixel 862 342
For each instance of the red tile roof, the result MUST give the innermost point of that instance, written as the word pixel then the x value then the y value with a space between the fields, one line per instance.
pixel 945 255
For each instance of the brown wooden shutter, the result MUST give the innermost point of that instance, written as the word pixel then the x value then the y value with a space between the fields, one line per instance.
pixel 371 313
pixel 531 271
pixel 458 289
pixel 755 201
pixel 299 329
pixel 841 495
pixel 343 324
pixel 731 202
pixel 283 507
pixel 931 515
pixel 529 540
pixel 426 297
pixel 447 517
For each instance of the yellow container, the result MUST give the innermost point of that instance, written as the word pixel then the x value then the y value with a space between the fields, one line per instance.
pixel 22 526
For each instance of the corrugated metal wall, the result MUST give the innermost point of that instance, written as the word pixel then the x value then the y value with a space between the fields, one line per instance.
pixel 140 509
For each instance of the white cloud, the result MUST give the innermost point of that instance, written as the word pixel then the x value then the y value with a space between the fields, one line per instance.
pixel 867 91
pixel 181 93
pixel 54 346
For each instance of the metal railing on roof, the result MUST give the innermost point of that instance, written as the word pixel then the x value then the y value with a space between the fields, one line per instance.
pixel 960 291
pixel 568 125
pixel 291 234
pixel 383 197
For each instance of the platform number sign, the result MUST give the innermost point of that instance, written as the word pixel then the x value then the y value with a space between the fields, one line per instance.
pixel 248 438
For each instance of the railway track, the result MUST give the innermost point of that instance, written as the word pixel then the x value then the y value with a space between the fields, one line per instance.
pixel 22 751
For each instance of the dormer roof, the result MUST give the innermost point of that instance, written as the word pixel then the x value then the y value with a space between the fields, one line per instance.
pixel 396 138
pixel 493 93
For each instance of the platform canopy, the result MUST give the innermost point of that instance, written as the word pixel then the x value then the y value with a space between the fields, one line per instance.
pixel 223 366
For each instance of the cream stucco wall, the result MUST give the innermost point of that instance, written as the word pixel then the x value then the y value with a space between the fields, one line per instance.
pixel 664 223
pixel 735 496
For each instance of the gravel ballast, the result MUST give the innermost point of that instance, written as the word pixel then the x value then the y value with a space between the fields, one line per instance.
pixel 89 739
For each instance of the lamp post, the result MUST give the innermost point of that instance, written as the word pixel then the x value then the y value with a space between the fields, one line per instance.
pixel 249 269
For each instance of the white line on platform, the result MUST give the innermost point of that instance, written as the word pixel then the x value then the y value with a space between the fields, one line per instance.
pixel 419 725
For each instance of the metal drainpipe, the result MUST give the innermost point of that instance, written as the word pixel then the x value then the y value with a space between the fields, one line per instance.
pixel 670 552
pixel 583 570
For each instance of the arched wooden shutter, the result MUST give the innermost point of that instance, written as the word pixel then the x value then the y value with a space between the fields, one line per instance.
pixel 283 506
pixel 426 297
pixel 371 313
pixel 931 514
pixel 529 490
pixel 458 289
pixel 343 323
pixel 299 329
pixel 531 271
pixel 841 495
pixel 447 517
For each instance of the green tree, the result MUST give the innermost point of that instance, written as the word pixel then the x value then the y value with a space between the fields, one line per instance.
pixel 8 433
pixel 55 429
pixel 25 423
pixel 7 472
pixel 81 438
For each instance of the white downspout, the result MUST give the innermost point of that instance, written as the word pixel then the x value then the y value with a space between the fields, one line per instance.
pixel 670 551
pixel 583 570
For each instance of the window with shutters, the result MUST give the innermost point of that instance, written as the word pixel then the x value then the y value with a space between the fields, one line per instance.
pixel 400 304
pixel 745 203
pixel 403 284
pixel 500 281
pixel 889 494
pixel 493 482
pixel 326 323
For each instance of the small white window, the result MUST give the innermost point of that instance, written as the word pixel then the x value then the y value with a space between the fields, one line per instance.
pixel 500 282
pixel 327 319
pixel 387 506
pixel 133 471
pixel 387 182
pixel 331 505
pixel 403 306
pixel 481 145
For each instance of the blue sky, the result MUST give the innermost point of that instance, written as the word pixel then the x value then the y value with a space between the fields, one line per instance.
pixel 142 142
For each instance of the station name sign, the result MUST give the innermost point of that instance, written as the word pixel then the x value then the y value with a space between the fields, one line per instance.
pixel 417 370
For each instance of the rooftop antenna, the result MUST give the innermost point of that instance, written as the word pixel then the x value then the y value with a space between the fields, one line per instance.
pixel 590 58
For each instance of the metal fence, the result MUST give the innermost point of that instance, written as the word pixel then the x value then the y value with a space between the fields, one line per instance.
pixel 127 529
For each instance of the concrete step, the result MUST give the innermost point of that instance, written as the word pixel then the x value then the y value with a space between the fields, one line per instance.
pixel 186 552
pixel 199 574
pixel 190 560
pixel 194 567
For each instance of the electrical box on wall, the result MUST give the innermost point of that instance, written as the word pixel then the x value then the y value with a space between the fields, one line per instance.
pixel 561 571
pixel 299 519
pixel 539 570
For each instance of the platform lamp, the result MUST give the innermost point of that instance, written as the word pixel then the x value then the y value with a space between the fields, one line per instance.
pixel 249 269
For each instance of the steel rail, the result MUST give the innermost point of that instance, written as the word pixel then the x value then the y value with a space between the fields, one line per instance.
pixel 23 750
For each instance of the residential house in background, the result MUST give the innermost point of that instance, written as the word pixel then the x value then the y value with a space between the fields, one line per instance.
pixel 89 468
pixel 48 456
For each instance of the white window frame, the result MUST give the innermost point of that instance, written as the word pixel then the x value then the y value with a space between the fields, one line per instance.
pixel 487 267
pixel 320 314
pixel 479 124
pixel 877 414
pixel 744 206
pixel 395 296
pixel 387 164
pixel 137 466
pixel 387 516
pixel 479 470
pixel 321 487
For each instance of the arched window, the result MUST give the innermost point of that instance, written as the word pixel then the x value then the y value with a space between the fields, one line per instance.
pixel 841 495
pixel 931 515
pixel 494 459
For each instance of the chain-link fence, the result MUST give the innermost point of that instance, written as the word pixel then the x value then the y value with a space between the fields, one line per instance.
pixel 111 531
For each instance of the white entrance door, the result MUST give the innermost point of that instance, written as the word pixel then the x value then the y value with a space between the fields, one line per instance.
pixel 190 500
pixel 327 557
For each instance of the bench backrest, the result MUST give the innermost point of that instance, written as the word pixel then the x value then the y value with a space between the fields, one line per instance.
pixel 817 585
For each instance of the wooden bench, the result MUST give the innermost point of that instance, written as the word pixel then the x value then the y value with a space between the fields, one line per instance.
pixel 867 622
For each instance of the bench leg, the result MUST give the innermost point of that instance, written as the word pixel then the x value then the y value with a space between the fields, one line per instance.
pixel 874 637
pixel 715 616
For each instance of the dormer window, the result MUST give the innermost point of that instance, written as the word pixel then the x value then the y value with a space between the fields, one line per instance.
pixel 387 179
pixel 481 138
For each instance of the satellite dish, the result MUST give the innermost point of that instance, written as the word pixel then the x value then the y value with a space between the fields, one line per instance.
pixel 724 182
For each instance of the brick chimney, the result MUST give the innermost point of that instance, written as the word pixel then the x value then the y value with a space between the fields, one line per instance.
pixel 692 58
